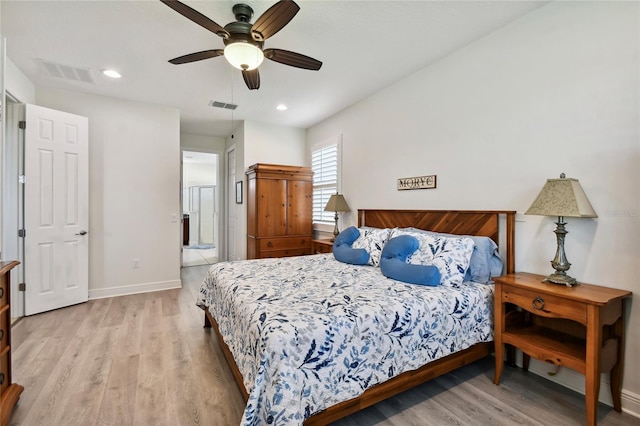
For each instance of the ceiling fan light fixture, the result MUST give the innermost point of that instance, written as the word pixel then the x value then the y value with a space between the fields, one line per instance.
pixel 244 56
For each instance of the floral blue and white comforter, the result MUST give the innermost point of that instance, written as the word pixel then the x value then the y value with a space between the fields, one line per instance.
pixel 308 332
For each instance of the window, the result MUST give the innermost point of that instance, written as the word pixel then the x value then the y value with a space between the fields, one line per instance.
pixel 325 166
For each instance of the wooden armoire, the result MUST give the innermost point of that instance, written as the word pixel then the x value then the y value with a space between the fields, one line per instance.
pixel 279 211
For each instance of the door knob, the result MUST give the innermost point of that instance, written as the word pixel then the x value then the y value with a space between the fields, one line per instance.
pixel 83 232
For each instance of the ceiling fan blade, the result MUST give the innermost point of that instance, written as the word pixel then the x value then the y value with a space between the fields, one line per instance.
pixel 196 17
pixel 292 59
pixel 274 19
pixel 252 79
pixel 198 56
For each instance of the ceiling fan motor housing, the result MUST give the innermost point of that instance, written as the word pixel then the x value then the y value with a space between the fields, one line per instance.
pixel 240 32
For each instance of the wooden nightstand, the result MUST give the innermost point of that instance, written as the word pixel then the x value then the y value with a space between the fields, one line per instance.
pixel 579 327
pixel 321 246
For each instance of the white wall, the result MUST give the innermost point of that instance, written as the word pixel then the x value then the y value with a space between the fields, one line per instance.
pixel 556 91
pixel 18 85
pixel 273 144
pixel 134 175
pixel 201 173
pixel 202 143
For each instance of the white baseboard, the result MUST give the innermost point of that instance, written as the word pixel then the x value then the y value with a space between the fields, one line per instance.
pixel 575 381
pixel 102 293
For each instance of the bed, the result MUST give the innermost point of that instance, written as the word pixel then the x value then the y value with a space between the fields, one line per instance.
pixel 311 340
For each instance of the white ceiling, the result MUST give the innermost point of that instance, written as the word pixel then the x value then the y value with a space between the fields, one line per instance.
pixel 364 46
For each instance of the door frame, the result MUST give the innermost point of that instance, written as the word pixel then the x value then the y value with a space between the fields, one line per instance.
pixel 12 246
pixel 220 240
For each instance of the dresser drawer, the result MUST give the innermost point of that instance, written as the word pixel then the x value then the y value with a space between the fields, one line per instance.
pixel 269 244
pixel 545 305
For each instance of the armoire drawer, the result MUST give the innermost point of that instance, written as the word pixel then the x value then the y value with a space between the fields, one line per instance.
pixel 4 327
pixel 269 244
pixel 285 253
pixel 4 371
pixel 4 300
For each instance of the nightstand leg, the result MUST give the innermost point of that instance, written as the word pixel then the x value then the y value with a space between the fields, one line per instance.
pixel 499 326
pixel 615 375
pixel 525 361
pixel 592 370
pixel 499 353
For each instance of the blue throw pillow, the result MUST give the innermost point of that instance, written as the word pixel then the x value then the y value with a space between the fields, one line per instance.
pixel 343 252
pixel 485 260
pixel 393 263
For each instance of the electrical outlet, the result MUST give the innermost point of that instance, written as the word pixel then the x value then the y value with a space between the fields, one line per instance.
pixel 135 263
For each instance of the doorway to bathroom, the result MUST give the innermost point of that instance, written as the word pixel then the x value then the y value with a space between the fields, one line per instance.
pixel 200 208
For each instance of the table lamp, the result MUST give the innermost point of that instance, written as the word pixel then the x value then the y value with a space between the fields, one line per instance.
pixel 336 204
pixel 562 197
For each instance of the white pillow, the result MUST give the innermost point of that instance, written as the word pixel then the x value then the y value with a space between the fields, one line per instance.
pixel 372 240
pixel 451 255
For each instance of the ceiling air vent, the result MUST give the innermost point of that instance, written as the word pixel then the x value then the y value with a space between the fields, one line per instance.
pixel 217 104
pixel 67 72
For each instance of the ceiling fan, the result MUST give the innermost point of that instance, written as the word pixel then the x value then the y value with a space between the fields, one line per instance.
pixel 244 41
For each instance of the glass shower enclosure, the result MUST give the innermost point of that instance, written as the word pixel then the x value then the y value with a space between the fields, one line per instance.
pixel 203 214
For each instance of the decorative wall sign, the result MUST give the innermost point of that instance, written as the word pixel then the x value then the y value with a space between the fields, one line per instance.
pixel 418 182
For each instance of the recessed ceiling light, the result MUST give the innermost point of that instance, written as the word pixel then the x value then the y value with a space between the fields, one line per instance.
pixel 281 107
pixel 112 73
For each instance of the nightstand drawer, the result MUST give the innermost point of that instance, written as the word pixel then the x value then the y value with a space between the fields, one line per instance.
pixel 322 246
pixel 546 305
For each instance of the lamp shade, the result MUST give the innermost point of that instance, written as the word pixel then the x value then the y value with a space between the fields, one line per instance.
pixel 337 203
pixel 562 197
pixel 244 56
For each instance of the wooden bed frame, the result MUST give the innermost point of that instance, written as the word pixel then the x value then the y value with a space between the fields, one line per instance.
pixel 496 224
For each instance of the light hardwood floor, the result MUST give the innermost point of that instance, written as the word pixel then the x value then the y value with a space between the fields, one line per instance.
pixel 147 360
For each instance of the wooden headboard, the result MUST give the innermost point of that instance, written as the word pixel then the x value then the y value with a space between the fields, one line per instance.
pixel 462 222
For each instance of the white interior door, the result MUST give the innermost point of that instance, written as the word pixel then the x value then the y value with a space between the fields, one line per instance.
pixel 56 209
pixel 231 204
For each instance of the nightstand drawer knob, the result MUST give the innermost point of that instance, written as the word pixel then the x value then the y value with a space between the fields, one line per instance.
pixel 538 303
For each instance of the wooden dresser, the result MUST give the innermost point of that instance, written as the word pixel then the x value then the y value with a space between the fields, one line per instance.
pixel 279 211
pixel 9 391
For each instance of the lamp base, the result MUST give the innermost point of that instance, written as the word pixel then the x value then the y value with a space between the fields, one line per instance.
pixel 336 231
pixel 561 279
pixel 560 262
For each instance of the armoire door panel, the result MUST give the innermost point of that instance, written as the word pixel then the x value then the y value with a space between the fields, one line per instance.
pixel 299 197
pixel 272 208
